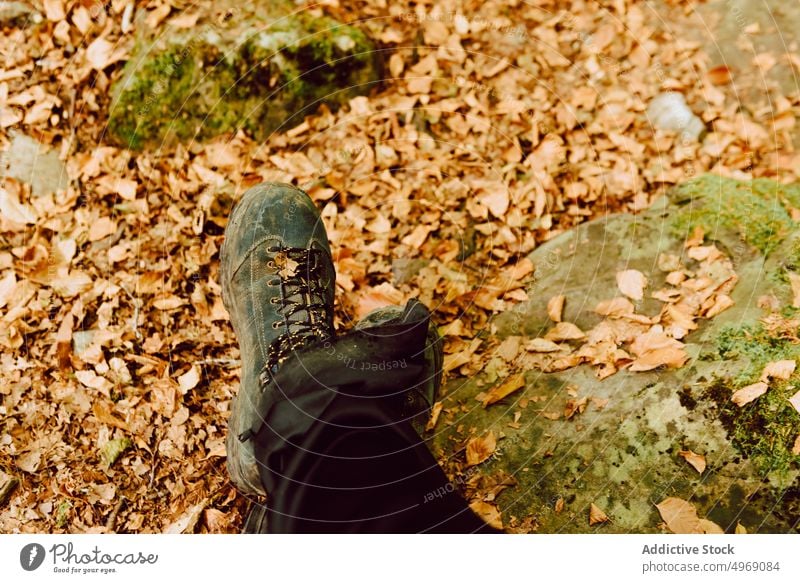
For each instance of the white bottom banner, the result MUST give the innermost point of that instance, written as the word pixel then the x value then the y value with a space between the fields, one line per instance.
pixel 390 558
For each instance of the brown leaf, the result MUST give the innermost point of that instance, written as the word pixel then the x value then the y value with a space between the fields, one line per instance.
pixel 709 527
pixel 749 393
pixel 565 331
pixel 542 345
pixel 496 200
pixel 100 53
pixel 189 380
pixel 740 529
pixel 7 287
pixel 64 341
pixel 596 516
pixel 697 461
pixel 796 447
pixel 794 280
pixel 479 449
pixel 102 228
pixel 555 307
pixel 13 210
pixel 510 385
pixel 670 357
pixel 615 307
pixel 632 283
pixel 30 461
pixel 436 410
pixel 779 369
pixel 104 415
pixel 696 238
pixel 721 303
pixel 574 406
pixel 488 513
pixel 795 401
pixel 73 284
pixel 187 521
pixel 720 75
pixel 54 10
pixel 559 505
pixel 170 302
pixel 680 516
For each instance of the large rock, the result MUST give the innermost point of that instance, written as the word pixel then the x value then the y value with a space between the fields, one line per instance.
pixel 253 71
pixel 624 456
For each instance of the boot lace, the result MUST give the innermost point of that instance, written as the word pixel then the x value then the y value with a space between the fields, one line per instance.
pixel 303 303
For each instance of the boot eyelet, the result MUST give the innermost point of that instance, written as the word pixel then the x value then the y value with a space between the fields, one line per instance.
pixel 271 264
pixel 276 325
pixel 274 300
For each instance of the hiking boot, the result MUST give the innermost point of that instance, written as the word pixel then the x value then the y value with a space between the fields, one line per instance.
pixel 418 402
pixel 277 281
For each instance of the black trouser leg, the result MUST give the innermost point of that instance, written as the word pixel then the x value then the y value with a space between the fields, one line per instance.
pixel 357 470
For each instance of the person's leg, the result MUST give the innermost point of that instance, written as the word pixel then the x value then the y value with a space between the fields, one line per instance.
pixel 361 466
pixel 320 424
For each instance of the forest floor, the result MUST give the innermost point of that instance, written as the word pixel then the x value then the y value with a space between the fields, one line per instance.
pixel 501 124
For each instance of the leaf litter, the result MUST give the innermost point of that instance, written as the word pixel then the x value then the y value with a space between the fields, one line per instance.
pixel 114 328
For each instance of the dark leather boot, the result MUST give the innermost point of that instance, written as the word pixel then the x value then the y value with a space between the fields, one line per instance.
pixel 278 286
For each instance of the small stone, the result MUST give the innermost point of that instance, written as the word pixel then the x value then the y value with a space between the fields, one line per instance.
pixel 669 111
pixel 35 164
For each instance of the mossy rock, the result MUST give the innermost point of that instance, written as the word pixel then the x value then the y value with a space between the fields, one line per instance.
pixel 253 72
pixel 624 457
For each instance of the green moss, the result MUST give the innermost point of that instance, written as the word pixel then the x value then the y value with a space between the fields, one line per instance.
pixel 257 80
pixel 765 429
pixel 754 210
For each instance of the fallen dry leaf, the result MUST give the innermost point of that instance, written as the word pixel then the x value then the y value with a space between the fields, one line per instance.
pixel 188 520
pixel 510 385
pixel 671 357
pixel 436 410
pixel 740 529
pixel 680 516
pixel 479 449
pixel 596 516
pixel 574 406
pixel 13 210
pixel 749 393
pixel 795 401
pixel 696 238
pixel 722 303
pixel 794 281
pixel 796 446
pixel 542 345
pixel 615 307
pixel 720 75
pixel 30 461
pixel 780 369
pixel 102 228
pixel 555 307
pixel 100 53
pixel 564 331
pixel 189 380
pixel 488 513
pixel 709 527
pixel 631 283
pixel 697 461
pixel 559 505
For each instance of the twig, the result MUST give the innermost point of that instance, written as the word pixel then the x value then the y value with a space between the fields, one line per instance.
pixel 226 362
pixel 7 489
pixel 135 302
pixel 112 518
